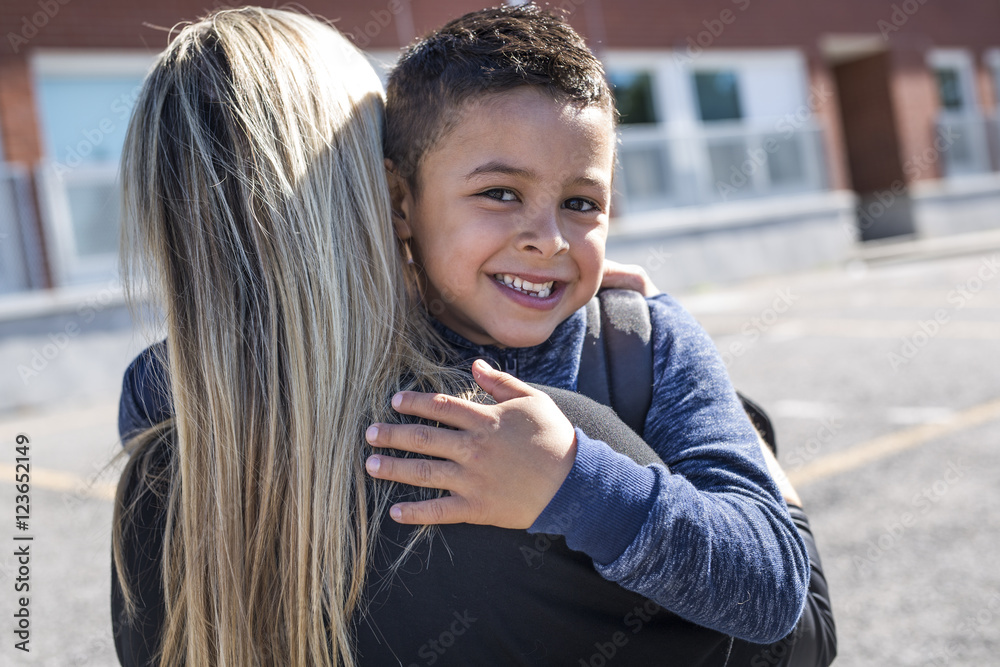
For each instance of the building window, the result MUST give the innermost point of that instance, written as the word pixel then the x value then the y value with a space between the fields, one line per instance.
pixel 950 88
pixel 633 93
pixel 962 127
pixel 725 126
pixel 85 101
pixel 718 95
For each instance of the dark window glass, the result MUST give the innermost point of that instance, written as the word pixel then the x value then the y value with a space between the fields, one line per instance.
pixel 633 96
pixel 718 95
pixel 950 89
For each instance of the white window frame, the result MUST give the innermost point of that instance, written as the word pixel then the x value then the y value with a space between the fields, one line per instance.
pixel 67 266
pixel 675 101
pixel 962 61
pixel 970 117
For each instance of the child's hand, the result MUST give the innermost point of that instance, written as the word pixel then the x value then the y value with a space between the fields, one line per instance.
pixel 628 276
pixel 503 465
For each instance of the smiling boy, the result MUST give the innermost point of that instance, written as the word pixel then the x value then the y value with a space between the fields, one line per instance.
pixel 510 222
pixel 500 141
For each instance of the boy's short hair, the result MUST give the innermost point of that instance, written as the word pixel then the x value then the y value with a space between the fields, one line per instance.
pixel 488 51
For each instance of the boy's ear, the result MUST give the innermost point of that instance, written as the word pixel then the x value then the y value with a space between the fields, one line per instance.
pixel 402 201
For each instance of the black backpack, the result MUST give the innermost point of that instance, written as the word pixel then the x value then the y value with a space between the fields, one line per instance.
pixel 616 364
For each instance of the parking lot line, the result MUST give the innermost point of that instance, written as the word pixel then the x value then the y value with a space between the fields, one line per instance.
pixel 64 482
pixel 893 443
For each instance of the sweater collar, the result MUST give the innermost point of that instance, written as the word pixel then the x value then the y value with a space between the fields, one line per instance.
pixel 556 361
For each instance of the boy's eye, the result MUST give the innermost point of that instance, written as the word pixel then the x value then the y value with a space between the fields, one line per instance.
pixel 580 204
pixel 500 194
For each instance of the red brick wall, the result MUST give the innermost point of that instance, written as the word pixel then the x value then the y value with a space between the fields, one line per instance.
pixel 915 100
pixel 18 120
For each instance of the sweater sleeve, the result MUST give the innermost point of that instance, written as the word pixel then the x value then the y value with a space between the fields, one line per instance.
pixel 145 399
pixel 716 546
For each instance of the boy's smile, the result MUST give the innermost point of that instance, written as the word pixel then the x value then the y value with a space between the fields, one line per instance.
pixel 510 220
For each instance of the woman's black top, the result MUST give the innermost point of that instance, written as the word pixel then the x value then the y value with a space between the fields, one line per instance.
pixel 480 595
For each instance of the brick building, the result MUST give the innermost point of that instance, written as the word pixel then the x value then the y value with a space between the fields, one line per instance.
pixel 757 134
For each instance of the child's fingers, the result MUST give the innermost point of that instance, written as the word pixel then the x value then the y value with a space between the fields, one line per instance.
pixel 499 385
pixel 448 410
pixel 419 439
pixel 447 509
pixel 628 276
pixel 427 473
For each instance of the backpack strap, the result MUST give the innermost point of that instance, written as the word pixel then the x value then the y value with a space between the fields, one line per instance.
pixel 616 364
pixel 618 370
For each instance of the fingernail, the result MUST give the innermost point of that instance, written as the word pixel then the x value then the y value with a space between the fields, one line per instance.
pixel 395 513
pixel 371 433
pixel 373 464
pixel 396 400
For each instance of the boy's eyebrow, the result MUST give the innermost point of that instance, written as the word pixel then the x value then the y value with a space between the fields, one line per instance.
pixel 497 167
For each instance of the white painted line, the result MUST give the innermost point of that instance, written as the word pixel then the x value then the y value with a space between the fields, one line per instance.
pixel 879 448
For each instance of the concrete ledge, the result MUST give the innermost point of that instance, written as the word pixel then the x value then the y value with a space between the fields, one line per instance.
pixel 909 249
pixel 956 206
pixel 684 248
pixel 60 301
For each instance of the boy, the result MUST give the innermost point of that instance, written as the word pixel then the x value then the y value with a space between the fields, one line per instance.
pixel 500 140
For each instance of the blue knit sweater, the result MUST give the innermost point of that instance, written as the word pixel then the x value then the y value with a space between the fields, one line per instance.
pixel 710 540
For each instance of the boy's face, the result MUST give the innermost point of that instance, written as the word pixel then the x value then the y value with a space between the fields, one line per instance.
pixel 517 191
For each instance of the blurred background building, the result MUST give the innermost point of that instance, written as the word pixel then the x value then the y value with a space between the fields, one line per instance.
pixel 756 136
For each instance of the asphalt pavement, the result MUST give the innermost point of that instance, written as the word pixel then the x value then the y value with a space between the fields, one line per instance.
pixel 882 376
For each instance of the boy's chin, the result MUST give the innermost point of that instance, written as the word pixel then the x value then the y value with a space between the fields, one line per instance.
pixel 522 338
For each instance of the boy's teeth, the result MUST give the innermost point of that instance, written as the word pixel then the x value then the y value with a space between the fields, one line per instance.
pixel 540 290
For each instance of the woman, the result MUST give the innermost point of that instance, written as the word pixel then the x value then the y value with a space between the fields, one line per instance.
pixel 255 206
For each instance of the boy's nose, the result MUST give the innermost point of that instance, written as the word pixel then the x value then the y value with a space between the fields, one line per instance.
pixel 543 236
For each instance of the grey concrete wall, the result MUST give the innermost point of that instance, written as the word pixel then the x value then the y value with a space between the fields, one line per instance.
pixel 684 249
pixel 957 206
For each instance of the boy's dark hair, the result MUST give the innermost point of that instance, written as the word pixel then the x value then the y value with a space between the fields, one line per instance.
pixel 488 51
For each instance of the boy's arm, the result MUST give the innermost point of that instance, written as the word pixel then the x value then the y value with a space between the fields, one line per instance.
pixel 717 545
pixel 696 553
pixel 145 400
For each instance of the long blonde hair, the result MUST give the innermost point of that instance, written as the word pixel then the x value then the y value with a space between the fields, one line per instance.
pixel 256 208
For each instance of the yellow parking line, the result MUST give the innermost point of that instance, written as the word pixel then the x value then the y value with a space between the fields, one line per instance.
pixel 58 480
pixel 893 443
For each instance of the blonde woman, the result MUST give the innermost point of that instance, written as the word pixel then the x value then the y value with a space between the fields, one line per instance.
pixel 256 208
